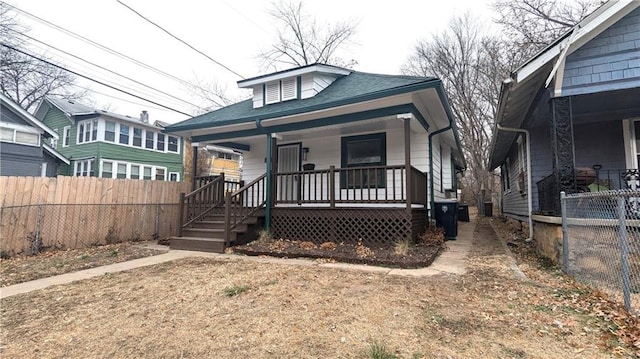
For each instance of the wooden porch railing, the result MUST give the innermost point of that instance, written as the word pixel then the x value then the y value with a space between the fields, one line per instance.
pixel 243 203
pixel 198 203
pixel 377 184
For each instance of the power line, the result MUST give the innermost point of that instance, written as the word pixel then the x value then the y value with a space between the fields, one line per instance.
pixel 108 70
pixel 179 39
pixel 104 48
pixel 91 79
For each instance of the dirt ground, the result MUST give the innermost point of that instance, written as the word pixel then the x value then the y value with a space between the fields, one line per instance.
pixel 25 268
pixel 200 308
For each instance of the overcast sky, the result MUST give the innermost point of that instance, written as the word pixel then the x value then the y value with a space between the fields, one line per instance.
pixel 231 32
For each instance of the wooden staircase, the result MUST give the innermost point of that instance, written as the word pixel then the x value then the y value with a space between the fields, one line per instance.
pixel 219 214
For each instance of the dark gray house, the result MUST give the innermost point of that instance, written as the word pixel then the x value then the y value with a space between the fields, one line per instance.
pixel 27 146
pixel 575 107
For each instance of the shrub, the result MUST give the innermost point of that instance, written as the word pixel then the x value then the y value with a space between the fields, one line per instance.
pixel 401 247
pixel 379 351
pixel 328 246
pixel 235 290
pixel 433 236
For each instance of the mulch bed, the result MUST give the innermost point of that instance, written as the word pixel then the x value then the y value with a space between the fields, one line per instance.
pixel 417 256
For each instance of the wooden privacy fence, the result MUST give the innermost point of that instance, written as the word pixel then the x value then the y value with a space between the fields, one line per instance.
pixel 78 212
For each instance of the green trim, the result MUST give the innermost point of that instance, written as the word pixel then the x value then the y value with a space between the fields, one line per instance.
pixel 234 145
pixel 433 195
pixel 432 83
pixel 344 141
pixel 299 87
pixel 269 180
pixel 327 121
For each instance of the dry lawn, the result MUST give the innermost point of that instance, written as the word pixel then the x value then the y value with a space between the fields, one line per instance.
pixel 208 308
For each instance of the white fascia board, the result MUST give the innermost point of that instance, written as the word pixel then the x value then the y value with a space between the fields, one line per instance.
pixel 27 116
pixel 248 83
pixel 56 153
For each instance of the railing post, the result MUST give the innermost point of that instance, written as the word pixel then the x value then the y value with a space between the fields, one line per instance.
pixel 227 217
pixel 181 214
pixel 222 188
pixel 565 232
pixel 409 177
pixel 332 186
pixel 624 247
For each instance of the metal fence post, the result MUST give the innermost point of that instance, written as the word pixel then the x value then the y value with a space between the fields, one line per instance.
pixel 624 246
pixel 565 232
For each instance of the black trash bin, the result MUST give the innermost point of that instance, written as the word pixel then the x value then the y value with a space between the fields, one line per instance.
pixel 447 218
pixel 463 212
pixel 488 209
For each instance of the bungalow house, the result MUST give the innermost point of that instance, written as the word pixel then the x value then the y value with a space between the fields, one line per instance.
pixel 569 118
pixel 24 147
pixel 109 145
pixel 328 154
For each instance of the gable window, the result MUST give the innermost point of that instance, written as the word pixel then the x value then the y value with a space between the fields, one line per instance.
pixel 360 152
pixel 289 89
pixel 110 131
pixel 87 131
pixel 66 136
pixel 172 145
pixel 148 144
pixel 124 134
pixel 272 92
pixel 137 137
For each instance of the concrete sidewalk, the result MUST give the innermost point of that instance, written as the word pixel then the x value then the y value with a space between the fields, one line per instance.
pixel 451 261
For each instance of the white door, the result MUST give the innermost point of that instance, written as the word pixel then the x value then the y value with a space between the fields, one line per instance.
pixel 288 183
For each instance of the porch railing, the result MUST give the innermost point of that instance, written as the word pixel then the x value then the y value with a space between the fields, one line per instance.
pixel 244 203
pixel 198 203
pixel 601 180
pixel 376 184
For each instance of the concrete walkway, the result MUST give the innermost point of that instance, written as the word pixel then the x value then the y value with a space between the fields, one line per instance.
pixel 451 261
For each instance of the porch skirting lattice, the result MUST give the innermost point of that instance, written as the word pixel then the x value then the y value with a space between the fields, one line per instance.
pixel 374 226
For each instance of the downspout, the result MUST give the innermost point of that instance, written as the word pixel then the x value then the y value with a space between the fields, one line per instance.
pixel 431 190
pixel 529 199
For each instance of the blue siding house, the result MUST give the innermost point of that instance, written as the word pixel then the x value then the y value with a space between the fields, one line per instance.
pixel 578 102
pixel 27 146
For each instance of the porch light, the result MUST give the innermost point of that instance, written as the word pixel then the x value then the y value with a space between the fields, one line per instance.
pixel 305 152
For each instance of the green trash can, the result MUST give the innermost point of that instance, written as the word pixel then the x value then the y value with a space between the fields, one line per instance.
pixel 447 218
pixel 463 212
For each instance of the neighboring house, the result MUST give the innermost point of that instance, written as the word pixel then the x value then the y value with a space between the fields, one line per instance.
pixel 579 99
pixel 335 154
pixel 24 147
pixel 109 145
pixel 225 160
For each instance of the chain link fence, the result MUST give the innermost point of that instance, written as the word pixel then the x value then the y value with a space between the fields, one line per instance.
pixel 34 228
pixel 601 242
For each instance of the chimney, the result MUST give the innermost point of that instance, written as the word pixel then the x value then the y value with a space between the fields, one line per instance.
pixel 144 116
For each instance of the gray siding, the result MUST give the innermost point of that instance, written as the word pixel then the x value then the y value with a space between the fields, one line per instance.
pixel 541 163
pixel 20 160
pixel 610 61
pixel 7 115
pixel 52 164
pixel 513 201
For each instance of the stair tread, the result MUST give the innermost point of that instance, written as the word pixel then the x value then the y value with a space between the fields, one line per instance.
pixel 204 239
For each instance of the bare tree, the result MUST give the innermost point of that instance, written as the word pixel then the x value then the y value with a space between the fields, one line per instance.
pixel 211 94
pixel 471 64
pixel 25 79
pixel 533 24
pixel 302 41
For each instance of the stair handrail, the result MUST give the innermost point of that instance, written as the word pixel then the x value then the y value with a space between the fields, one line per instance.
pixel 239 206
pixel 200 202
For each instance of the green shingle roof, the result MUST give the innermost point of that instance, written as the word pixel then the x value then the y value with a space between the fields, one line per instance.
pixel 353 88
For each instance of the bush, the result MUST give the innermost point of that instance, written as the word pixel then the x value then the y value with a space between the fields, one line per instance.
pixel 433 236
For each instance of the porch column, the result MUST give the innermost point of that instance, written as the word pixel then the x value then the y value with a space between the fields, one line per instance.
pixel 270 183
pixel 194 164
pixel 562 146
pixel 407 160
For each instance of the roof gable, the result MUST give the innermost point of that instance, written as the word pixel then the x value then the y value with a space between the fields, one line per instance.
pixel 26 116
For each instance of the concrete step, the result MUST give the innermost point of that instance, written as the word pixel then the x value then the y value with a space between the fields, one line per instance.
pixel 214 245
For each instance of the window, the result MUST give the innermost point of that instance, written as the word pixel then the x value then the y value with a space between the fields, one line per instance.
pixel 160 174
pixel 83 168
pixel 66 136
pixel 172 145
pixel 272 92
pixel 107 169
pixel 6 134
pixel 174 176
pixel 110 131
pixel 289 89
pixel 137 137
pixel 160 143
pixel 122 170
pixel 87 131
pixel 22 134
pixel 135 172
pixel 148 140
pixel 124 134
pixel 53 142
pixel 364 151
pixel 146 173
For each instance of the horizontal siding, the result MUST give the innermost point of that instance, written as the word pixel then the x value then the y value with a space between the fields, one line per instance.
pixel 7 115
pixel 20 160
pixel 609 61
pixel 513 201
pixel 541 160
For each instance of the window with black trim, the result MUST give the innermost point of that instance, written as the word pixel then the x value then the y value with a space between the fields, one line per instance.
pixel 360 152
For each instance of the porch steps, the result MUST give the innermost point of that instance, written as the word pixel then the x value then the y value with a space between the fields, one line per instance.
pixel 207 235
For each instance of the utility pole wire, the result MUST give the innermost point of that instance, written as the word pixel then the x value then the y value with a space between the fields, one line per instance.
pixel 108 70
pixel 102 47
pixel 182 41
pixel 91 79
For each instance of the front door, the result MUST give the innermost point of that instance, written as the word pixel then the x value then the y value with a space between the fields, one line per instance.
pixel 288 183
